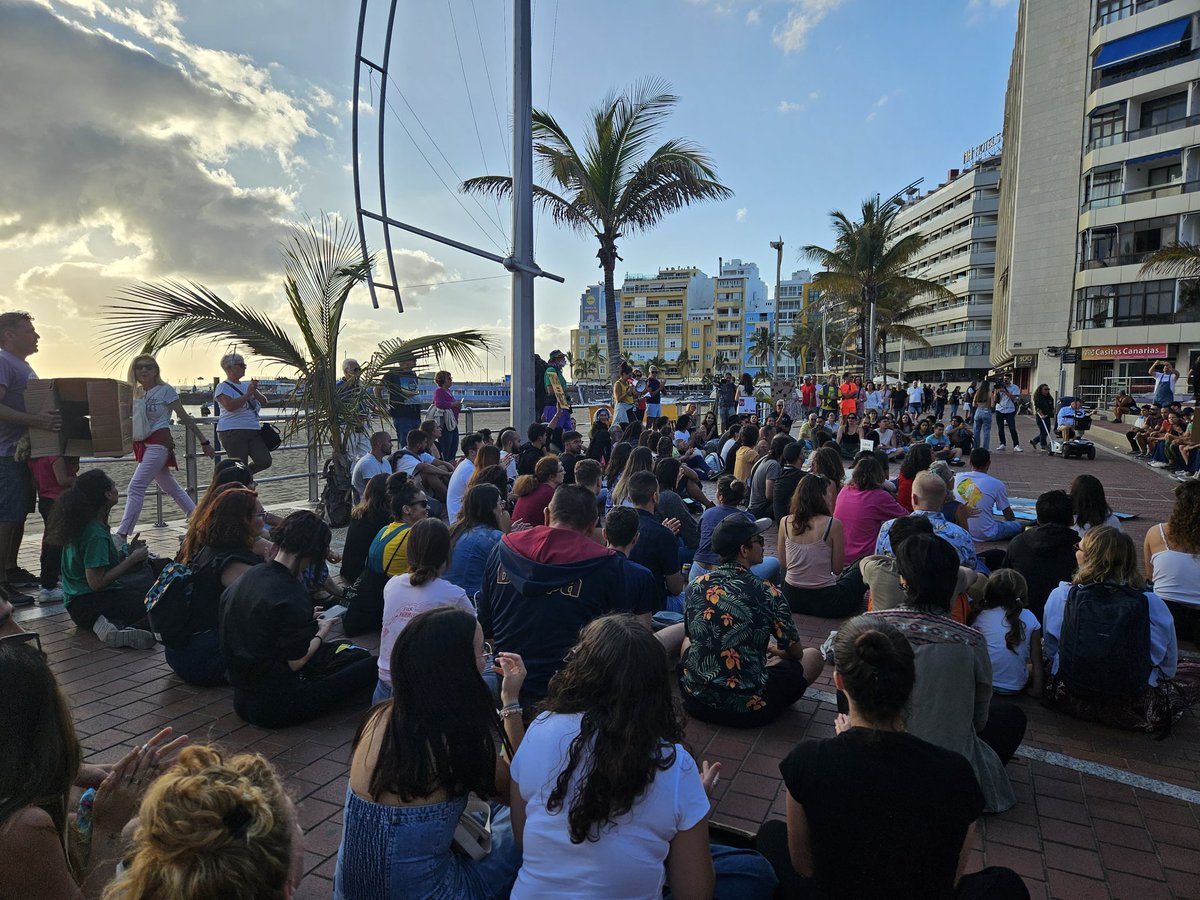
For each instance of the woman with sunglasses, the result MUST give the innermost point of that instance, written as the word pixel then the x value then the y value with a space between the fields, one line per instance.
pixel 238 427
pixel 1044 413
pixel 420 756
pixel 153 446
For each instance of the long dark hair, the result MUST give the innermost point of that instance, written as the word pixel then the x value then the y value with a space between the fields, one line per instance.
pixel 619 677
pixel 79 506
pixel 666 470
pixel 37 738
pixel 478 508
pixel 828 462
pixel 427 743
pixel 616 462
pixel 373 506
pixel 929 567
pixel 808 502
pixel 1088 501
pixel 919 458
pixel 640 460
pixel 428 550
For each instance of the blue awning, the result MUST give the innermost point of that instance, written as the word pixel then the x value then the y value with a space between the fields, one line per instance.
pixel 1141 44
pixel 1142 160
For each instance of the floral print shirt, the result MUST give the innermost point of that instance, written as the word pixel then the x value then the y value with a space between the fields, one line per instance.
pixel 731 615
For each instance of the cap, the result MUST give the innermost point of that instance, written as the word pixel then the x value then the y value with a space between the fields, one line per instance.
pixel 736 531
pixel 555 354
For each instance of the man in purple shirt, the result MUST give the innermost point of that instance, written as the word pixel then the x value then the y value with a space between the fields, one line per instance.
pixel 18 341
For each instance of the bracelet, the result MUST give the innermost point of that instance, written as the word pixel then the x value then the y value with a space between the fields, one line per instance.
pixel 510 711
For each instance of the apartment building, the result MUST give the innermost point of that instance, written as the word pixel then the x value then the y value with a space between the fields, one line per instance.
pixel 742 307
pixel 1101 168
pixel 796 305
pixel 958 219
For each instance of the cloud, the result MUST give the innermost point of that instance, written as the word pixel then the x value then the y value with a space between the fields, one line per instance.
pixel 977 10
pixel 753 17
pixel 741 214
pixel 100 135
pixel 879 104
pixel 814 95
pixel 787 106
pixel 419 273
pixel 803 16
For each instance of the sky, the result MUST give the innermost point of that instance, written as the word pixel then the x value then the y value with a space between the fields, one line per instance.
pixel 154 140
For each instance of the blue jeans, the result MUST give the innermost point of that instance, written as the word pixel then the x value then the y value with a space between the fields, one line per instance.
pixel 741 874
pixel 1008 529
pixel 198 661
pixel 983 427
pixel 383 691
pixel 767 570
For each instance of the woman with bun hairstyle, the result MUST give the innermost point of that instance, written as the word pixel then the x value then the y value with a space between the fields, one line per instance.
pixel 211 827
pixel 731 494
pixel 533 492
pixel 918 802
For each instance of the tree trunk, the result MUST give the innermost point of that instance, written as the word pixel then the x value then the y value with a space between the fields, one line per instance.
pixel 608 262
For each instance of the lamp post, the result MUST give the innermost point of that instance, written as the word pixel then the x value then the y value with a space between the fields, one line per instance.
pixel 772 357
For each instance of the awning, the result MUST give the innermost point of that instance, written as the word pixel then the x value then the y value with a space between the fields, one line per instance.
pixel 1142 160
pixel 1141 44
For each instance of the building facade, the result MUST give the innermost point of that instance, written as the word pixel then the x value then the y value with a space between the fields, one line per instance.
pixel 1101 168
pixel 796 307
pixel 958 220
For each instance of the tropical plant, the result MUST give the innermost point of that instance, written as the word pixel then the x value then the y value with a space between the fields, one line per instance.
pixel 868 259
pixel 720 362
pixel 612 184
pixel 760 346
pixel 595 359
pixel 797 346
pixel 1180 260
pixel 323 263
pixel 684 363
pixel 581 367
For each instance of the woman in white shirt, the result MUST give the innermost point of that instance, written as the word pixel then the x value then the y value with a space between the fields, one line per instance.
pixel 606 801
pixel 153 445
pixel 238 426
pixel 1172 551
pixel 1090 505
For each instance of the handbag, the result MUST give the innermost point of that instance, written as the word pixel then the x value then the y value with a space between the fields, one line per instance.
pixel 331 657
pixel 270 436
pixel 473 834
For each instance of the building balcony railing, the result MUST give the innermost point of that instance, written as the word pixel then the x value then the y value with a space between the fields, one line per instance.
pixel 1124 11
pixel 1137 318
pixel 1107 262
pixel 1151 193
pixel 1102 80
pixel 1110 140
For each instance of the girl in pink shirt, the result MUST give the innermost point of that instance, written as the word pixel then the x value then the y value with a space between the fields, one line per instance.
pixel 863 506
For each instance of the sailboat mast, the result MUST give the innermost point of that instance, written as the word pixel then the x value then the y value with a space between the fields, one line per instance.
pixel 522 388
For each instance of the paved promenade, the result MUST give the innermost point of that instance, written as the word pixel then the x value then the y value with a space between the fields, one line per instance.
pixel 1101 813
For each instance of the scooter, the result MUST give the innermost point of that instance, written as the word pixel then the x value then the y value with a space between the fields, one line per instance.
pixel 1076 445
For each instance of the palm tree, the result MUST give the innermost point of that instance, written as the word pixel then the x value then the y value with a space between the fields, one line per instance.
pixel 684 363
pixel 323 263
pixel 868 258
pixel 797 345
pixel 612 184
pixel 594 358
pixel 1182 261
pixel 720 362
pixel 581 368
pixel 760 346
pixel 657 362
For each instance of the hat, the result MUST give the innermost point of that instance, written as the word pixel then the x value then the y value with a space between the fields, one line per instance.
pixel 734 532
pixel 555 354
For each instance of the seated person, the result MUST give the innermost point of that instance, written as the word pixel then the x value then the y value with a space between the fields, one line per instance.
pixel 762 477
pixel 985 493
pixel 960 435
pixel 1123 405
pixel 882 577
pixel 1171 552
pixel 811 549
pixel 917 460
pixel 941 445
pixel 863 506
pixel 730 495
pixel 621 527
pixel 273 645
pixel 533 492
pixel 371 464
pixel 1072 420
pixel 657 547
pixel 544 583
pixel 922 801
pixel 1150 419
pixel 369 515
pixel 1014 634
pixel 731 617
pixel 790 474
pixel 1100 672
pixel 534 449
pixel 848 436
pixel 929 498
pixel 481 523
pixel 219 549
pixel 1045 554
pixel 952 704
pixel 432 478
pixel 671 506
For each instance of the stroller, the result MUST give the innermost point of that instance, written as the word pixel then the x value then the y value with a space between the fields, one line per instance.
pixel 1076 445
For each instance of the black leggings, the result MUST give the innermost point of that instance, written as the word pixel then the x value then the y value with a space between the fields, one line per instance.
pixel 1005 728
pixel 124 606
pixel 992 883
pixel 304 700
pixel 845 597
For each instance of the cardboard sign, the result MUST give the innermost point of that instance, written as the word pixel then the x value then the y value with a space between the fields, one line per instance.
pixel 97 417
pixel 864 444
pixel 747 406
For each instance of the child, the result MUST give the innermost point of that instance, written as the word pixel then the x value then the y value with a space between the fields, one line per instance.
pixel 52 475
pixel 1013 633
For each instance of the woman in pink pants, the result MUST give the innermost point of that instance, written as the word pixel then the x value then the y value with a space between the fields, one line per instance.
pixel 153 446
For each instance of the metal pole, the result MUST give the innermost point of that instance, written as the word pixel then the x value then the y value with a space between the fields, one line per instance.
pixel 522 217
pixel 869 350
pixel 777 246
pixel 314 461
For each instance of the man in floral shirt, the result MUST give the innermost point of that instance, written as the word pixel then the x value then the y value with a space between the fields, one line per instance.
pixel 731 615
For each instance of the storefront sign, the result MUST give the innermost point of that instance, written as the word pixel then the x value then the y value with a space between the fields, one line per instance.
pixel 1025 361
pixel 1125 351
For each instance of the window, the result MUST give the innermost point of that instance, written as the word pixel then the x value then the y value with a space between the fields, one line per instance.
pixel 1106 126
pixel 1136 303
pixel 1164 175
pixel 1163 110
pixel 1109 11
pixel 1103 186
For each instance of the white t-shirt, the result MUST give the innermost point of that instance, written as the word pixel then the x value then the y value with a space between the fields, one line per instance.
pixel 1005 404
pixel 157 404
pixel 916 395
pixel 1161 378
pixel 367 468
pixel 402 601
pixel 407 463
pixel 246 417
pixel 1009 671
pixel 1112 522
pixel 626 863
pixel 982 491
pixel 456 488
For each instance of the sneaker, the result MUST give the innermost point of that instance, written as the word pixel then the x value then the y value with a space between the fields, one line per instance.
pixel 15 597
pixel 19 577
pixel 1001 449
pixel 1155 464
pixel 1135 453
pixel 112 636
pixel 47 596
pixel 1017 448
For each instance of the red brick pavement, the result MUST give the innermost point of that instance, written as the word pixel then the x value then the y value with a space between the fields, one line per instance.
pixel 1071 835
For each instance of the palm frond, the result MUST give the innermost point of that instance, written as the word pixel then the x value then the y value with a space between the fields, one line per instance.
pixel 460 346
pixel 1179 260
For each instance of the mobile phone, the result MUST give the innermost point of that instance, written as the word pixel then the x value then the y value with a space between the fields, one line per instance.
pixel 333 612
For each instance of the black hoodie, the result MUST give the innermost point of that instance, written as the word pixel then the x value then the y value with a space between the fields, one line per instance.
pixel 1045 555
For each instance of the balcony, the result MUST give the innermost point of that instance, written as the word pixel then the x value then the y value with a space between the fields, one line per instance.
pixel 1109 318
pixel 1124 11
pixel 1100 80
pixel 1108 262
pixel 1151 193
pixel 1150 131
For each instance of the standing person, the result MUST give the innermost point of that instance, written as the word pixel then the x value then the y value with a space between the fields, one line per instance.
pixel 606 800
pixel 153 446
pixel 808 396
pixel 940 398
pixel 624 396
pixel 982 404
pixel 1006 414
pixel 847 396
pixel 732 614
pixel 956 397
pixel 51 476
pixel 238 426
pixel 18 341
pixel 447 409
pixel 744 391
pixel 272 643
pixel 104 589
pixel 400 384
pixel 916 398
pixel 1194 378
pixel 351 396
pixel 726 400
pixel 1165 375
pixel 653 396
pixel 417 760
pixel 1043 412
pixel 377 462
pixel 922 801
pixel 557 411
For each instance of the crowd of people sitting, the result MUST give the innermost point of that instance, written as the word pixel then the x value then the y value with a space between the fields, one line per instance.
pixel 549 612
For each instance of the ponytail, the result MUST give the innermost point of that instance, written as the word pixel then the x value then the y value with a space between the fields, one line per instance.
pixel 428 550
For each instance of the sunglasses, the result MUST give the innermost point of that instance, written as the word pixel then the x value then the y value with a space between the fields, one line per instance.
pixel 145 366
pixel 424 503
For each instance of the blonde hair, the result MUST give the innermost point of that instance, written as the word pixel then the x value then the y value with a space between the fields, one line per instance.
pixel 1109 555
pixel 211 827
pixel 131 375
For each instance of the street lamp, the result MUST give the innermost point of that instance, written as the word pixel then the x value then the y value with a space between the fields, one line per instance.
pixel 777 246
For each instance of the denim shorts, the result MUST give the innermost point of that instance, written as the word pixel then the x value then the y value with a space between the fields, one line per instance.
pixel 16 490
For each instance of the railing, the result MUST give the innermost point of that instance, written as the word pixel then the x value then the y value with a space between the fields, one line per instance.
pixel 1151 193
pixel 1124 11
pixel 1121 259
pixel 1124 137
pixel 1102 396
pixel 1100 80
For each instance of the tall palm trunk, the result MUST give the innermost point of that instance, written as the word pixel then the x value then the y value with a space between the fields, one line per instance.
pixel 608 261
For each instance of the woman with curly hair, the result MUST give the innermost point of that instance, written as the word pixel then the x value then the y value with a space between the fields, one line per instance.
pixel 214 827
pixel 1172 551
pixel 219 549
pixel 606 800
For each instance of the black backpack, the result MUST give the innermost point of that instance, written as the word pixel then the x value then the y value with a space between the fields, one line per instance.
pixel 1104 650
pixel 168 601
pixel 540 400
